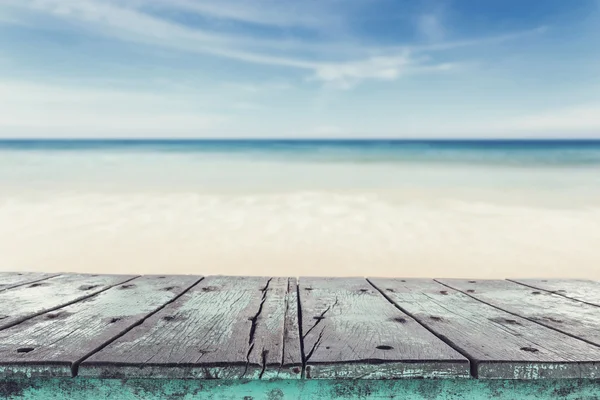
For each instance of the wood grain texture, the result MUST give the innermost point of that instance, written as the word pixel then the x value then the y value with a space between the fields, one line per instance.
pixel 9 280
pixel 292 355
pixel 577 289
pixel 569 316
pixel 499 345
pixel 52 344
pixel 23 302
pixel 351 331
pixel 223 328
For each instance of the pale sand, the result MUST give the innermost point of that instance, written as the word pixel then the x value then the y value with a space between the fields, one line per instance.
pixel 296 234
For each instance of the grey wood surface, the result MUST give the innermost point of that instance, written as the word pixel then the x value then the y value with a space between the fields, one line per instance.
pixel 292 355
pixel 583 290
pixel 224 327
pixel 351 331
pixel 569 316
pixel 499 344
pixel 279 328
pixel 10 280
pixel 23 302
pixel 52 344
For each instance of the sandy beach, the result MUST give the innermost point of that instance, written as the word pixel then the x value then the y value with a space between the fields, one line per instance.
pixel 308 209
pixel 310 234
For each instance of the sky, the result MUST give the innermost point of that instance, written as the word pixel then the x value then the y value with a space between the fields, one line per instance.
pixel 300 69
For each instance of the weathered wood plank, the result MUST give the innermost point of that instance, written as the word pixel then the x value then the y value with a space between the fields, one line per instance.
pixel 9 280
pixel 223 328
pixel 577 289
pixel 569 316
pixel 54 343
pixel 351 331
pixel 292 354
pixel 23 302
pixel 499 345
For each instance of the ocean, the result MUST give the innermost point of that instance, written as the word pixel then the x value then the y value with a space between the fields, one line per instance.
pixel 426 208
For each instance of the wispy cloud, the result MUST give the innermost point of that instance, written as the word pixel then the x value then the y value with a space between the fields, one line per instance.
pixel 346 75
pixel 312 15
pixel 258 87
pixel 126 20
pixel 474 42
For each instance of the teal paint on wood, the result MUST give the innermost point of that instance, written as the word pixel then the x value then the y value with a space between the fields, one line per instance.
pixel 569 316
pixel 53 344
pixel 9 280
pixel 500 345
pixel 583 290
pixel 23 302
pixel 223 328
pixel 350 331
pixel 404 389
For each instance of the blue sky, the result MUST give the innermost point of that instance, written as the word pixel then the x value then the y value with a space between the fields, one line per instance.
pixel 279 68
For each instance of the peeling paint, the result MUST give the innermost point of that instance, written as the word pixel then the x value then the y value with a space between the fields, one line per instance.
pixel 408 389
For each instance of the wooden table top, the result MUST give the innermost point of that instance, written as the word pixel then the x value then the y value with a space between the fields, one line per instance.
pixel 225 327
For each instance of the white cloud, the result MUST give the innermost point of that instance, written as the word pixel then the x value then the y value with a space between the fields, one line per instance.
pixel 120 19
pixel 264 12
pixel 382 68
pixel 128 24
pixel 264 87
pixel 481 41
pixel 347 74
pixel 131 25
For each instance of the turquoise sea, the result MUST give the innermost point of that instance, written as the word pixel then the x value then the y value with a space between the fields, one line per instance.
pixel 198 165
pixel 494 208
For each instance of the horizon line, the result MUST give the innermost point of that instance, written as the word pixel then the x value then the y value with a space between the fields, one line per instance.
pixel 308 139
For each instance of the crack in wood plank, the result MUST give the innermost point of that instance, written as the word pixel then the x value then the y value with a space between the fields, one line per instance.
pixel 317 342
pixel 320 317
pixel 254 320
pixel 302 352
pixel 264 363
pixel 285 316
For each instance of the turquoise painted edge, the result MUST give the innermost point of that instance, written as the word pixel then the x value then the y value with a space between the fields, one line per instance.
pixel 410 389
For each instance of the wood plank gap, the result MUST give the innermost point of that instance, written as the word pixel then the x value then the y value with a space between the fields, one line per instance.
pixel 553 292
pixel 47 310
pixel 519 315
pixel 285 316
pixel 285 319
pixel 472 362
pixel 303 372
pixel 29 282
pixel 76 364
